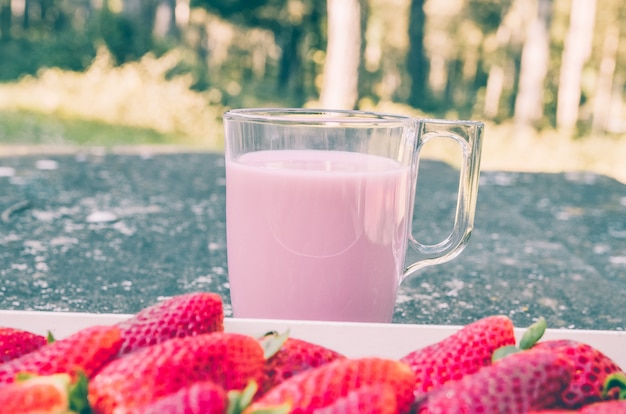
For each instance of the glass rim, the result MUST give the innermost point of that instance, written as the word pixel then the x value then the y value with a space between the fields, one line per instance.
pixel 314 116
pixel 325 117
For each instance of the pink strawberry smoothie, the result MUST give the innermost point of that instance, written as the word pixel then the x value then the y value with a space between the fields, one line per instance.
pixel 318 235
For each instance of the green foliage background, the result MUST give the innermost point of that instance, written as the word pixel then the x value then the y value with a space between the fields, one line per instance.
pixel 79 74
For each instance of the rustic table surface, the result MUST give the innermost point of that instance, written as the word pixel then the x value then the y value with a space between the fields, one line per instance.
pixel 105 233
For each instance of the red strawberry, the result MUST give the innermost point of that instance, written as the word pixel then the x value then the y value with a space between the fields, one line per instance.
pixel 86 350
pixel 16 342
pixel 177 317
pixel 592 368
pixel 137 379
pixel 605 407
pixel 371 399
pixel 204 397
pixel 519 383
pixel 324 386
pixel 462 353
pixel 47 394
pixel 294 356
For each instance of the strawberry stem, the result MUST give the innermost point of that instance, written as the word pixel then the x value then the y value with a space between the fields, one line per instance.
pixel 24 376
pixel 279 409
pixel 239 400
pixel 272 342
pixel 530 337
pixel 77 394
pixel 503 352
pixel 615 380
pixel 533 334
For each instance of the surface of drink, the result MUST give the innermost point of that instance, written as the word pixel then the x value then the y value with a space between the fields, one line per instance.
pixel 315 234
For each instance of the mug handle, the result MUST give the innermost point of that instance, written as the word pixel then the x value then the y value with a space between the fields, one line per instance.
pixel 468 134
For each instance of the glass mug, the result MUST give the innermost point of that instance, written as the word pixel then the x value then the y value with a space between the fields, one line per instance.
pixel 319 207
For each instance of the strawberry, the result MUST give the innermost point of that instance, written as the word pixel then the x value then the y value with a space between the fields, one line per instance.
pixel 205 397
pixel 462 353
pixel 519 383
pixel 46 394
pixel 182 315
pixel 86 350
pixel 371 399
pixel 293 356
pixel 592 368
pixel 137 379
pixel 16 342
pixel 326 385
pixel 605 407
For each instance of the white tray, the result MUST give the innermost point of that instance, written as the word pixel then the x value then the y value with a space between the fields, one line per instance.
pixel 351 339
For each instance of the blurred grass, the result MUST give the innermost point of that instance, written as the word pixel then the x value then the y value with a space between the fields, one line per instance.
pixel 507 148
pixel 504 149
pixel 134 103
pixel 139 104
pixel 36 128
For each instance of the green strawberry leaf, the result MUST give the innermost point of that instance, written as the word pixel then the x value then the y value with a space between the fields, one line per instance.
pixel 279 409
pixel 533 334
pixel 77 394
pixel 239 400
pixel 50 337
pixel 503 352
pixel 24 376
pixel 76 391
pixel 530 337
pixel 615 380
pixel 272 342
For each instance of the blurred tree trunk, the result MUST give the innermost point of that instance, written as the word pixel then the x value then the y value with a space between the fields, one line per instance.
pixel 5 19
pixel 604 90
pixel 172 29
pixel 343 55
pixel 534 67
pixel 417 63
pixel 290 67
pixel 142 14
pixel 44 6
pixel 455 91
pixel 496 78
pixel 182 13
pixel 576 52
pixel 502 51
pixel 25 17
pixel 165 20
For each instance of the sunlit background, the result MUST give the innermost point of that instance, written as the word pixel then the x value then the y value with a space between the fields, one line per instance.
pixel 547 76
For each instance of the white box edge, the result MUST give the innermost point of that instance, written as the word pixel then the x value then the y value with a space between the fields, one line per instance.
pixel 351 339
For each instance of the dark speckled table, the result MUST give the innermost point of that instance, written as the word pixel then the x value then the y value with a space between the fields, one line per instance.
pixel 112 233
